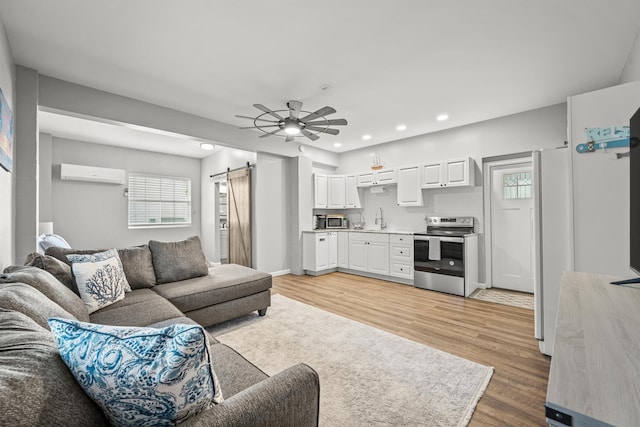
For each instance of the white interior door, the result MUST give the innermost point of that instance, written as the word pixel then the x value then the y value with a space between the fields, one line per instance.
pixel 512 227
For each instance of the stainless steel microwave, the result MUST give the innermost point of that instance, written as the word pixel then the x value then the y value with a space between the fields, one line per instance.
pixel 337 221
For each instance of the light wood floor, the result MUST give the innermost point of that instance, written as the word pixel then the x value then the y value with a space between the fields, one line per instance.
pixel 491 334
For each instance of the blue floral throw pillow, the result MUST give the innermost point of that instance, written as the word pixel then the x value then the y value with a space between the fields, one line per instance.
pixel 140 376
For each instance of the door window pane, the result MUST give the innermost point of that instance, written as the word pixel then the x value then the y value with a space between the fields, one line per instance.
pixel 516 185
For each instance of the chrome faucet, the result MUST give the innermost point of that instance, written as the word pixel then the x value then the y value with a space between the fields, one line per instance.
pixel 380 221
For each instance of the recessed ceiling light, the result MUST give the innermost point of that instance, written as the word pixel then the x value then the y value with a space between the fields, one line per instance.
pixel 337 144
pixel 207 146
pixel 442 117
pixel 366 137
pixel 401 127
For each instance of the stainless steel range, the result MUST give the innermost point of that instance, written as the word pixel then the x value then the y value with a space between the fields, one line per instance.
pixel 446 256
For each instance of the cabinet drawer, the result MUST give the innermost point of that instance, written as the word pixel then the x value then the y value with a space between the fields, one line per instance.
pixel 402 269
pixel 402 252
pixel 405 239
pixel 369 237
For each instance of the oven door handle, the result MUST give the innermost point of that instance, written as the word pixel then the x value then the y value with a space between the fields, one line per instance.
pixel 442 239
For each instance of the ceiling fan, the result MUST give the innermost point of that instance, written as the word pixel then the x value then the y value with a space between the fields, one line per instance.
pixel 292 125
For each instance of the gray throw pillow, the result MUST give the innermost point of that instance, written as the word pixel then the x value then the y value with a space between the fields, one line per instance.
pixel 37 387
pixel 57 268
pixel 138 266
pixel 175 261
pixel 30 302
pixel 49 286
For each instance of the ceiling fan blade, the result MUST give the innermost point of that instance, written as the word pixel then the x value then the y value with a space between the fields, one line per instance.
pixel 256 118
pixel 294 108
pixel 311 136
pixel 323 130
pixel 324 111
pixel 289 138
pixel 270 133
pixel 333 122
pixel 262 126
pixel 268 111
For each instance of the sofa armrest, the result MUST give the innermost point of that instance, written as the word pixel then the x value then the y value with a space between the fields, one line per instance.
pixel 289 398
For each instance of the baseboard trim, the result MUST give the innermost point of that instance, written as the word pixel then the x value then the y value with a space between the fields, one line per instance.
pixel 281 272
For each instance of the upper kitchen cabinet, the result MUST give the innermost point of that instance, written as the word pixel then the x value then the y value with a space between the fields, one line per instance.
pixel 381 177
pixel 352 197
pixel 336 192
pixel 409 186
pixel 320 193
pixel 448 173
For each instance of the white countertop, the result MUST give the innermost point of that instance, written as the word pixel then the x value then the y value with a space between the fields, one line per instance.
pixel 350 230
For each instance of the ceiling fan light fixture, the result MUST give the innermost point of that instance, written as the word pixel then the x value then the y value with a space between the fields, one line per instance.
pixel 291 127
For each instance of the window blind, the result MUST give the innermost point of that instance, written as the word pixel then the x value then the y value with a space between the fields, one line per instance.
pixel 159 201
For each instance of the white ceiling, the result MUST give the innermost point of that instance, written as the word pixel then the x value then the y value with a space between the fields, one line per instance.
pixel 386 62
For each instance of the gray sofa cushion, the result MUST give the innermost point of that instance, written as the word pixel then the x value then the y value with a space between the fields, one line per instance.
pixel 140 307
pixel 234 372
pixel 136 263
pixel 175 261
pixel 224 283
pixel 49 286
pixel 61 253
pixel 31 302
pixel 37 387
pixel 58 269
pixel 138 266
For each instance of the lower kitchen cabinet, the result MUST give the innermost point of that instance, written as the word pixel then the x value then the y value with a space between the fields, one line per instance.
pixel 369 252
pixel 401 256
pixel 343 249
pixel 320 252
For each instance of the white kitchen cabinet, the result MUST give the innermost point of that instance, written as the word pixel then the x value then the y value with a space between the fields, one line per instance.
pixel 352 197
pixel 409 186
pixel 336 192
pixel 332 249
pixel 343 249
pixel 448 173
pixel 320 252
pixel 401 256
pixel 320 191
pixel 384 176
pixel 369 252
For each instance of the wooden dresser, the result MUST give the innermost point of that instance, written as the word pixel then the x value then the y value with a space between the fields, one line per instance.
pixel 595 368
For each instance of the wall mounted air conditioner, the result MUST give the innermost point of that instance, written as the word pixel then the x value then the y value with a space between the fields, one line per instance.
pixel 91 174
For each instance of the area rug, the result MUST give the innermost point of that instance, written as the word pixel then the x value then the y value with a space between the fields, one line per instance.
pixel 515 299
pixel 368 377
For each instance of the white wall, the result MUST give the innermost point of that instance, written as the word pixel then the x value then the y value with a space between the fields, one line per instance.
pixel 601 183
pixel 94 215
pixel 631 69
pixel 272 200
pixel 7 207
pixel 541 128
pixel 216 163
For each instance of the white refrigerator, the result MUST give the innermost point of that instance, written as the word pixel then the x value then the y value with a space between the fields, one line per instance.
pixel 553 237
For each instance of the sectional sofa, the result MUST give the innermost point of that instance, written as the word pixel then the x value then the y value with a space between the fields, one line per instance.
pixel 171 283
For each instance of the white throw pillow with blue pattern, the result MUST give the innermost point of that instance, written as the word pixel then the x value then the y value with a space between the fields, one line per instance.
pixel 140 376
pixel 101 256
pixel 99 283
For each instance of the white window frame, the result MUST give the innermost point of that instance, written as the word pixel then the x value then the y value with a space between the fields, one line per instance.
pixel 157 201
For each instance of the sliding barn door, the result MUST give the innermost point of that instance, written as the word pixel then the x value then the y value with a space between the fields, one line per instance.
pixel 239 205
